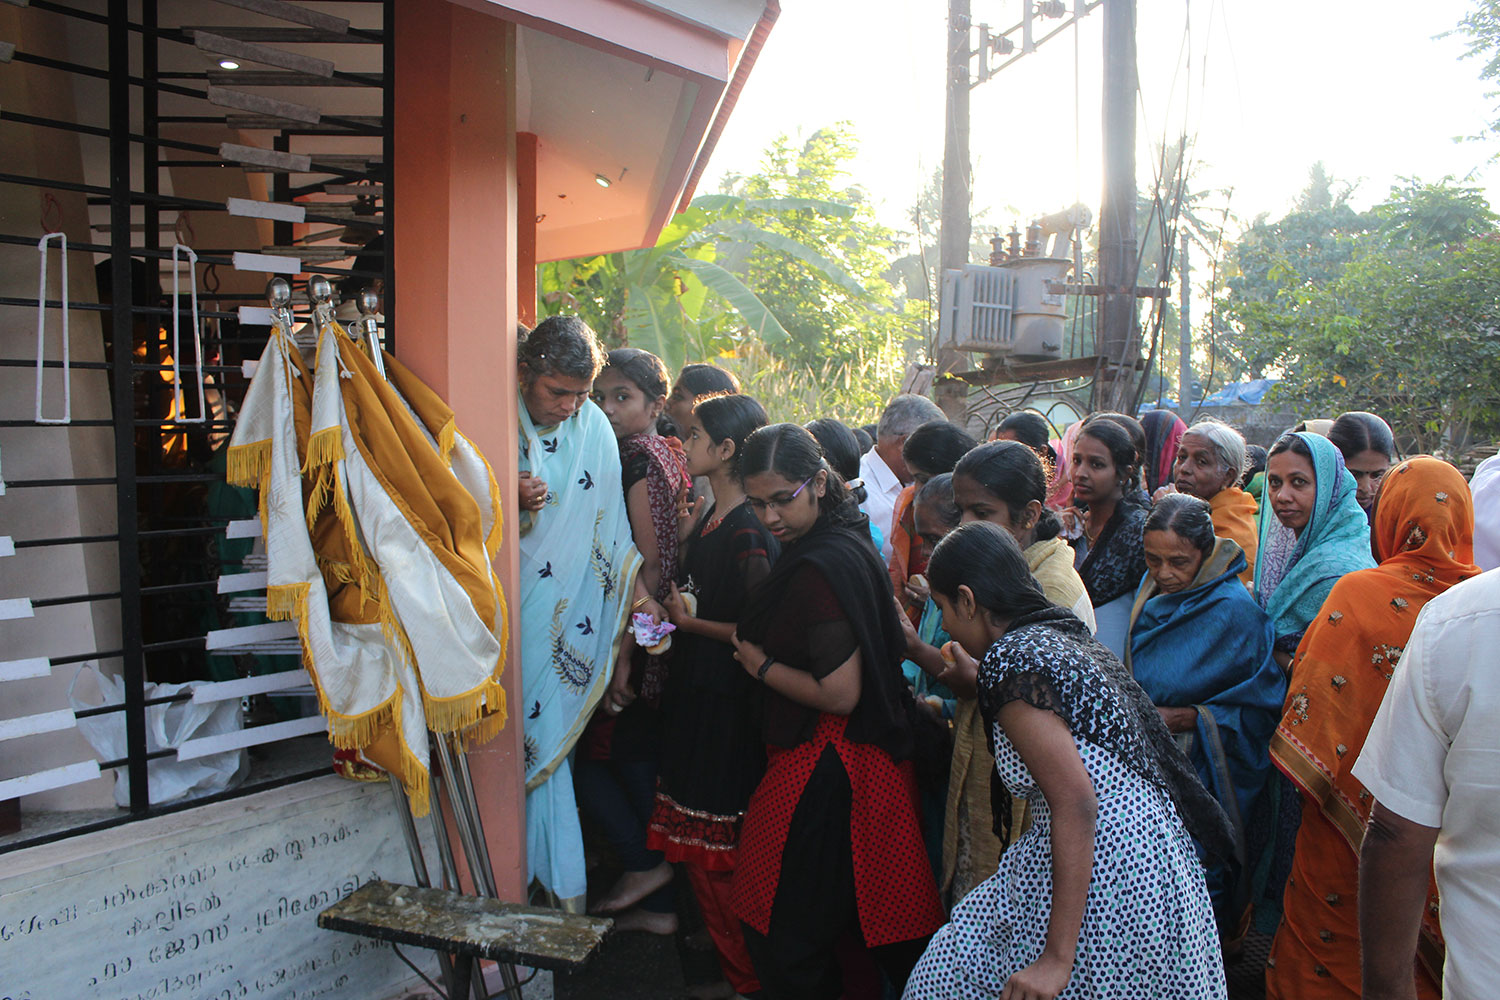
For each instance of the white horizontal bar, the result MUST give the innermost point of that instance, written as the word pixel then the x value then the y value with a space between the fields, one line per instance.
pixel 266 263
pixel 248 368
pixel 7 51
pixel 57 777
pixel 31 725
pixel 233 583
pixel 246 686
pixel 20 670
pixel 225 638
pixel 7 546
pixel 245 528
pixel 255 316
pixel 15 607
pixel 223 742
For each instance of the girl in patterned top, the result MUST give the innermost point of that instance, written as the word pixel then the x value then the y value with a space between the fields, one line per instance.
pixel 615 773
pixel 1103 896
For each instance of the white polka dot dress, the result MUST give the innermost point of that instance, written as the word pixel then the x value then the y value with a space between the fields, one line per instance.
pixel 1148 928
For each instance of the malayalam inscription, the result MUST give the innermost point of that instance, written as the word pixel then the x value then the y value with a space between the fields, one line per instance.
pixel 216 911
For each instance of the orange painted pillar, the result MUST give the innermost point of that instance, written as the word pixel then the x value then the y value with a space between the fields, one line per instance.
pixel 526 144
pixel 454 210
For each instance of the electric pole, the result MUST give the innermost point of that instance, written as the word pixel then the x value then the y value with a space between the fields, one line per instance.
pixel 1184 332
pixel 1119 334
pixel 953 235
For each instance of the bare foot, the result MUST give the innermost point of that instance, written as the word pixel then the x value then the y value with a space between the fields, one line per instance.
pixel 634 887
pixel 637 919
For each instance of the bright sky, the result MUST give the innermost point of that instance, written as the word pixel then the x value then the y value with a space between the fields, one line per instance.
pixel 1267 86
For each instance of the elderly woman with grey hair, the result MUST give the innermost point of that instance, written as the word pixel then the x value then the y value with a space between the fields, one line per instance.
pixel 580 583
pixel 883 469
pixel 1210 461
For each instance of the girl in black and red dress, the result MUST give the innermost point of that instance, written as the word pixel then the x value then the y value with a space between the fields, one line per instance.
pixel 712 755
pixel 831 847
pixel 614 771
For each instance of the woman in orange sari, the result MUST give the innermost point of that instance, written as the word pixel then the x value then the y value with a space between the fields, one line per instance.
pixel 1423 537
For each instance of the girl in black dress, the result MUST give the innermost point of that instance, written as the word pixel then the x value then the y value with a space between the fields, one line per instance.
pixel 712 754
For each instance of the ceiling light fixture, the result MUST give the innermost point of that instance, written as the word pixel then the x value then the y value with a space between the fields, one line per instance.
pixel 602 180
pixel 228 64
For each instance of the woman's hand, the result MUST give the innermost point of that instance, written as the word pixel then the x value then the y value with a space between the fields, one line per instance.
pixel 650 606
pixel 676 608
pixel 918 590
pixel 749 654
pixel 1043 979
pixel 533 493
pixel 962 676
pixel 913 641
pixel 618 696
pixel 689 511
pixel 1179 720
pixel 1073 521
pixel 1166 489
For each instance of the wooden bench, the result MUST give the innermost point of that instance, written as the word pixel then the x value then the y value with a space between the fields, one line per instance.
pixel 468 926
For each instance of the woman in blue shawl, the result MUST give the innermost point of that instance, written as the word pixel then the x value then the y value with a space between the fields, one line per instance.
pixel 580 581
pixel 1200 647
pixel 1312 532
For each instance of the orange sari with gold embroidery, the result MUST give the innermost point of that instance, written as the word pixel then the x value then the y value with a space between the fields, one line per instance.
pixel 1423 532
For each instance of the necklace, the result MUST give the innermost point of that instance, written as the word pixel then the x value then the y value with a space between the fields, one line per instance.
pixel 718 519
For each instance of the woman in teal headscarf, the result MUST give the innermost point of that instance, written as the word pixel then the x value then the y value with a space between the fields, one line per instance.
pixel 579 582
pixel 1200 647
pixel 1312 532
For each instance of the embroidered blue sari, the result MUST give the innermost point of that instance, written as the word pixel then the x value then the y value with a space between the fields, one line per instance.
pixel 578 569
pixel 1209 648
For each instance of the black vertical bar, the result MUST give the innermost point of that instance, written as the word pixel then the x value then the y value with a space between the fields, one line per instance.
pixel 151 185
pixel 121 354
pixel 388 159
pixel 281 192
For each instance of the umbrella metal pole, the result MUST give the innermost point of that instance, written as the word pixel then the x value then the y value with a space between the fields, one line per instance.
pixel 463 816
pixel 409 831
pixel 466 781
pixel 418 863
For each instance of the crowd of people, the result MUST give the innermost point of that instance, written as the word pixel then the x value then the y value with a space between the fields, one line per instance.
pixel 1048 715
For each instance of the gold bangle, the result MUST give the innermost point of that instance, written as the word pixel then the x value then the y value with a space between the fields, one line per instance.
pixel 640 602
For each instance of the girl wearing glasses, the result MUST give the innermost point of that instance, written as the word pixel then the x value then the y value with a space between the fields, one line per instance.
pixel 831 846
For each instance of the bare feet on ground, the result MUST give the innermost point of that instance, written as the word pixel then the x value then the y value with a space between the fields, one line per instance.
pixel 637 919
pixel 634 887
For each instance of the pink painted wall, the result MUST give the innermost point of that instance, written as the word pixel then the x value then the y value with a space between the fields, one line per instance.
pixel 455 217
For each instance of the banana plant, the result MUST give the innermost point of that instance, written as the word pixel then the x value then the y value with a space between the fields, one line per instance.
pixel 683 299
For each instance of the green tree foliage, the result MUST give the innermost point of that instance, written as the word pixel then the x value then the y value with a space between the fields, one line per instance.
pixel 825 320
pixel 678 299
pixel 1398 313
pixel 1312 244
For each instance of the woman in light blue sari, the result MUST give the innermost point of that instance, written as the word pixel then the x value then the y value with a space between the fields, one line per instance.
pixel 579 584
pixel 1200 647
pixel 1312 532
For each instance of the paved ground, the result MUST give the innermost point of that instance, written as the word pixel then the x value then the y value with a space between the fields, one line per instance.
pixel 641 966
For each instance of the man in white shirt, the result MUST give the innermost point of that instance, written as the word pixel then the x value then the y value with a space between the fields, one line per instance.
pixel 882 468
pixel 1432 761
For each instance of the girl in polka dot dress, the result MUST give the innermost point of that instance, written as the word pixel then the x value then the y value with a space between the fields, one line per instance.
pixel 1103 898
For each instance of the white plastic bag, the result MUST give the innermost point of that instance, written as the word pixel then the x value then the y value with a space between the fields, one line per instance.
pixel 167 726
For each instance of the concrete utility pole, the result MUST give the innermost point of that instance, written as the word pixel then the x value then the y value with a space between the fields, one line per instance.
pixel 1184 333
pixel 1119 333
pixel 953 237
